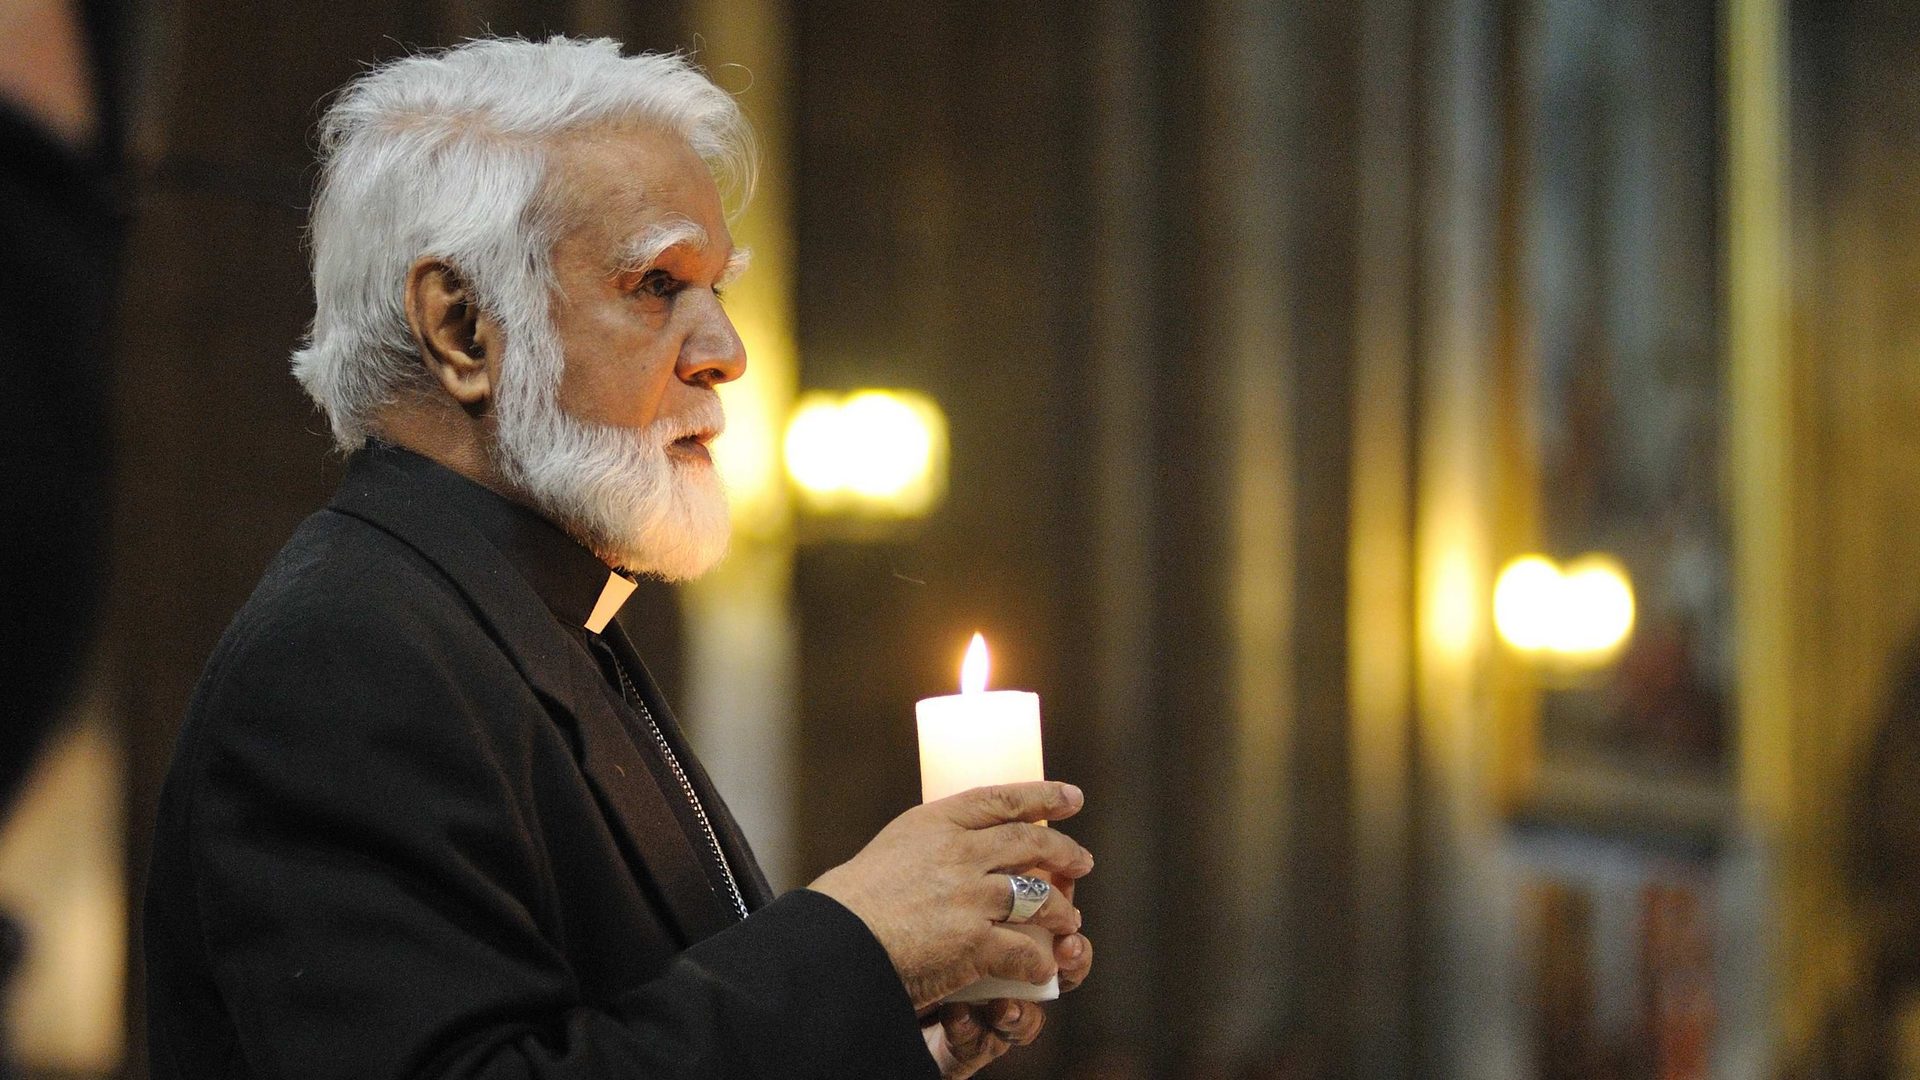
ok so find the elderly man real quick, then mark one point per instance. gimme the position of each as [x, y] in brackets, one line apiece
[428, 816]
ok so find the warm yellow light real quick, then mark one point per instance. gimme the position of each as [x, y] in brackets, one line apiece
[816, 447]
[1525, 601]
[1598, 602]
[873, 452]
[901, 444]
[1580, 614]
[748, 456]
[973, 669]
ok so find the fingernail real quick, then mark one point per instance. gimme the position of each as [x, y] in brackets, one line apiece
[1075, 947]
[1014, 1014]
[1077, 918]
[1074, 796]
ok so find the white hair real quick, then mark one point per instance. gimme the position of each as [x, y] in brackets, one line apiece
[617, 490]
[443, 155]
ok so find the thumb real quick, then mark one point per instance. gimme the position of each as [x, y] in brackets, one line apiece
[985, 807]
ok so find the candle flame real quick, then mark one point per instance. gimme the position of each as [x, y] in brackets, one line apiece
[973, 670]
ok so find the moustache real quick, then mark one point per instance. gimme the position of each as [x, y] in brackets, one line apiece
[705, 421]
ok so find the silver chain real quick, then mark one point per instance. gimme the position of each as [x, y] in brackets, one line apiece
[686, 786]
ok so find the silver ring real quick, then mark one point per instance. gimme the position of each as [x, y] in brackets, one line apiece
[1028, 894]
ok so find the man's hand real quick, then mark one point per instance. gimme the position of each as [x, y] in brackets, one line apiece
[966, 1037]
[932, 886]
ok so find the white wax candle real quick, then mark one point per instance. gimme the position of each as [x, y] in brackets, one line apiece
[972, 739]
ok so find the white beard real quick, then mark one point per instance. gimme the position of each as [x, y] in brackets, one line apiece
[617, 490]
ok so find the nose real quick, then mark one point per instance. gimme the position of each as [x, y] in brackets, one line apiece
[713, 353]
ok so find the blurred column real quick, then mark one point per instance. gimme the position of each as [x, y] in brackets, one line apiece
[1122, 357]
[1326, 241]
[1380, 549]
[1468, 979]
[1761, 400]
[739, 636]
[1243, 367]
[1761, 475]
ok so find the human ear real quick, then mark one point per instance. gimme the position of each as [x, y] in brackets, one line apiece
[458, 343]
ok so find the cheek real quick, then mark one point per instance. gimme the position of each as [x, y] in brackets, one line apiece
[618, 367]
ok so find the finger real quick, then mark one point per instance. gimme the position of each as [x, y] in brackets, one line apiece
[1010, 954]
[970, 1039]
[964, 1029]
[1019, 1022]
[1074, 954]
[1016, 847]
[1057, 914]
[983, 807]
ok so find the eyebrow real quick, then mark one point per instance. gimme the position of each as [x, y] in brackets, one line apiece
[646, 247]
[737, 264]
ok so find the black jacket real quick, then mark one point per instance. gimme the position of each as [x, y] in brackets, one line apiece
[408, 832]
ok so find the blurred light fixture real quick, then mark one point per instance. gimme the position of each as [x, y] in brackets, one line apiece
[1580, 614]
[1524, 599]
[870, 453]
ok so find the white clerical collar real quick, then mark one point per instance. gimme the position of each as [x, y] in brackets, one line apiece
[613, 594]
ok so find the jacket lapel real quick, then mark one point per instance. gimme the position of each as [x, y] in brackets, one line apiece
[562, 673]
[651, 836]
[746, 868]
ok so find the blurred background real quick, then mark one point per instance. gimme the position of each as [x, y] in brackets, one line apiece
[1451, 471]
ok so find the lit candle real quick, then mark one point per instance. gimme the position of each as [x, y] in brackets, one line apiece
[972, 739]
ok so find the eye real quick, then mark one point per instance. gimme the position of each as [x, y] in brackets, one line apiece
[659, 284]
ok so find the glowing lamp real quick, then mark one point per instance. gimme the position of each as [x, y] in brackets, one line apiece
[1524, 599]
[871, 453]
[1580, 614]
